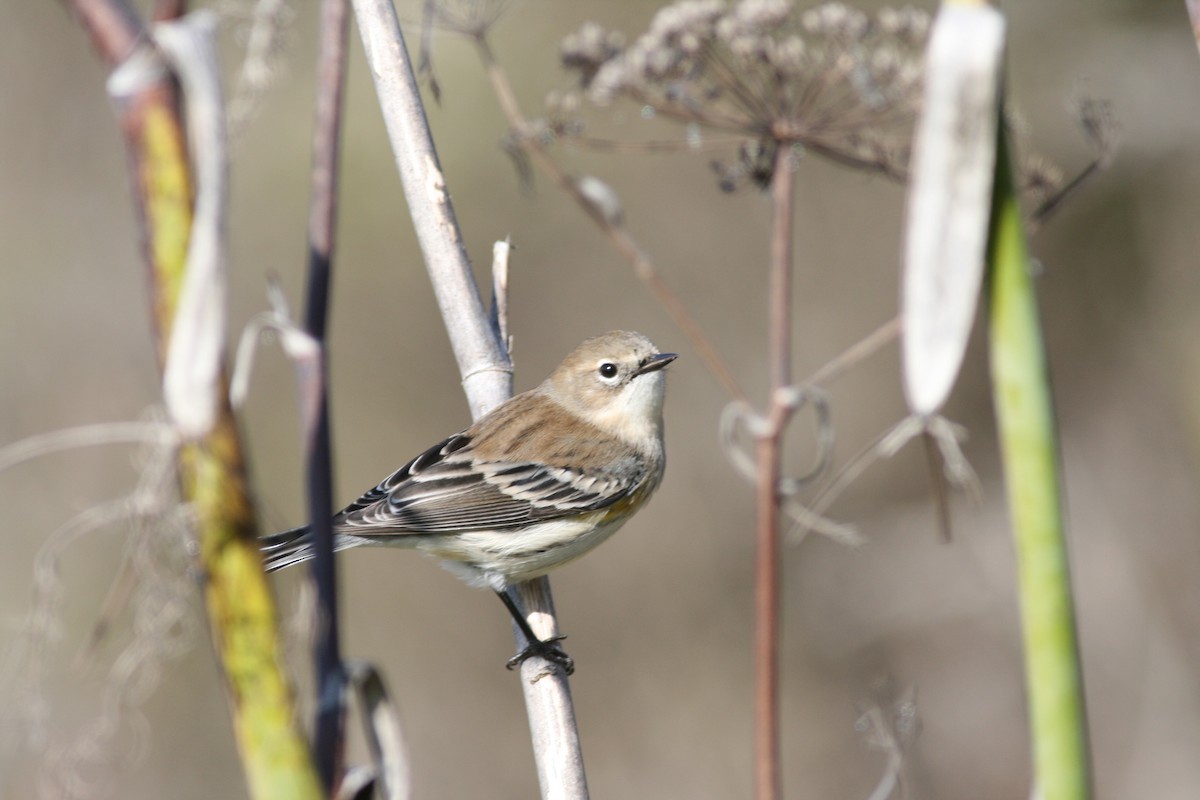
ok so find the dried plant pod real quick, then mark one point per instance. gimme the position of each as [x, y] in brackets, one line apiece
[950, 198]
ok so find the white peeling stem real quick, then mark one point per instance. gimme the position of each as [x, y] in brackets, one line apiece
[196, 347]
[483, 363]
[482, 360]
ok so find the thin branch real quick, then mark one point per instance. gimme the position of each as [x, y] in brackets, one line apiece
[114, 26]
[500, 254]
[1056, 201]
[649, 146]
[164, 10]
[858, 352]
[618, 236]
[485, 367]
[322, 219]
[482, 360]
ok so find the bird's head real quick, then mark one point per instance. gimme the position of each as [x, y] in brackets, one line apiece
[616, 382]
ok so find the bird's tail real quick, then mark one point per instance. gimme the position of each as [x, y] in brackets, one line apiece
[286, 548]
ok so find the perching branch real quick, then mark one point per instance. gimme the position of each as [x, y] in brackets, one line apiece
[482, 359]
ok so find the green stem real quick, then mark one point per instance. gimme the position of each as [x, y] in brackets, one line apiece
[1028, 437]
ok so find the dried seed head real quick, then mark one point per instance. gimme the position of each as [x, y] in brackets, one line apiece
[830, 77]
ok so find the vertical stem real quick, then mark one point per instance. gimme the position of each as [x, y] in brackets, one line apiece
[782, 184]
[214, 484]
[766, 614]
[1029, 445]
[768, 784]
[482, 358]
[322, 223]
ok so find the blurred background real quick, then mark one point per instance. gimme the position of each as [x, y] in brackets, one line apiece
[659, 618]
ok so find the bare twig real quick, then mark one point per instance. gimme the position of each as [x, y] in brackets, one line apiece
[617, 234]
[1101, 131]
[113, 25]
[329, 672]
[649, 146]
[425, 59]
[500, 254]
[482, 360]
[866, 347]
[942, 435]
[164, 10]
[486, 371]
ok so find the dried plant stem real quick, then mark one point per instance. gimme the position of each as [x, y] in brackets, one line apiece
[164, 10]
[648, 146]
[780, 299]
[241, 609]
[766, 619]
[113, 25]
[330, 676]
[483, 362]
[767, 781]
[618, 236]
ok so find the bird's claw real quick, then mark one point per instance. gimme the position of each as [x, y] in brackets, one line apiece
[547, 649]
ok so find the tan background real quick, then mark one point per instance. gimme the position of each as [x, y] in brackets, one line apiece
[660, 618]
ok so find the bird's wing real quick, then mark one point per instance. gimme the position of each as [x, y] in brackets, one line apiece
[448, 488]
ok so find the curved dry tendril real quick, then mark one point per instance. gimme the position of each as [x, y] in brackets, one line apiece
[299, 346]
[739, 416]
[44, 444]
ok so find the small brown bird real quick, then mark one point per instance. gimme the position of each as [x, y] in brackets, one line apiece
[534, 484]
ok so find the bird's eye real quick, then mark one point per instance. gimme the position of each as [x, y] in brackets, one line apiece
[608, 370]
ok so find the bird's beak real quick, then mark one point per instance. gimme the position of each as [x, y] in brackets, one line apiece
[656, 362]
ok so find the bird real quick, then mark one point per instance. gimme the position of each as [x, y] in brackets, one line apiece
[537, 482]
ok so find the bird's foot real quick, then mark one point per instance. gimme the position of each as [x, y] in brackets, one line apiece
[547, 649]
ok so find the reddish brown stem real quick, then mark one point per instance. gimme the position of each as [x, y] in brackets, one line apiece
[780, 300]
[164, 10]
[768, 784]
[766, 614]
[113, 25]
